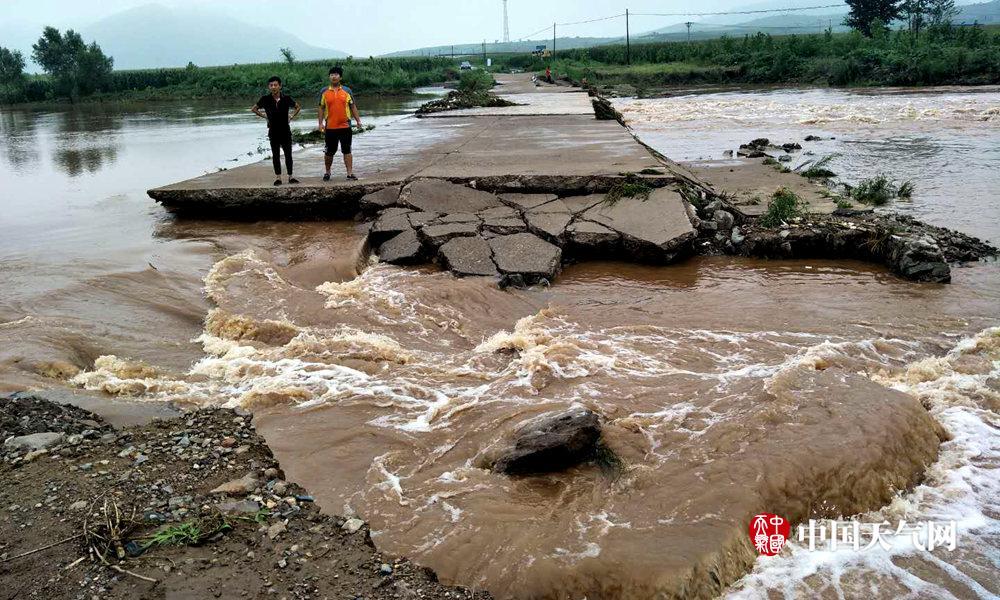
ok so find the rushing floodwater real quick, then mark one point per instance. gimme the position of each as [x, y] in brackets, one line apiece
[380, 388]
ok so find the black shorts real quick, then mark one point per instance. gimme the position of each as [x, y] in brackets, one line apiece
[338, 136]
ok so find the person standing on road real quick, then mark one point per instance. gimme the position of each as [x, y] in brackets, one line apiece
[336, 107]
[276, 107]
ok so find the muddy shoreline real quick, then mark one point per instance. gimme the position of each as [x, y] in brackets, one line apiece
[189, 506]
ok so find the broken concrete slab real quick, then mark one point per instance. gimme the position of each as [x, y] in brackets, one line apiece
[403, 249]
[459, 218]
[436, 235]
[526, 201]
[655, 229]
[468, 256]
[526, 255]
[586, 238]
[551, 226]
[419, 219]
[435, 195]
[505, 225]
[384, 198]
[389, 224]
[498, 212]
[571, 205]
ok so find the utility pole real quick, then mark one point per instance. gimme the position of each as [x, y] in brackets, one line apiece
[689, 31]
[553, 41]
[453, 51]
[628, 42]
[484, 53]
[506, 27]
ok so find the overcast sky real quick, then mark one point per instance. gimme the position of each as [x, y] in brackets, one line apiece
[364, 27]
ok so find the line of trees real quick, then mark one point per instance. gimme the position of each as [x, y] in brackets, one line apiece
[75, 69]
[871, 17]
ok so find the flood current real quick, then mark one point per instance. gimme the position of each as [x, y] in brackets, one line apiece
[728, 386]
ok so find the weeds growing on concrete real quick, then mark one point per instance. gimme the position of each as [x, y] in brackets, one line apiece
[784, 206]
[630, 187]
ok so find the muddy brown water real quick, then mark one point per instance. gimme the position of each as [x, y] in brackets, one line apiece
[726, 385]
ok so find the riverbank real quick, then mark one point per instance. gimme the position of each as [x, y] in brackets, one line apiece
[371, 77]
[944, 56]
[194, 504]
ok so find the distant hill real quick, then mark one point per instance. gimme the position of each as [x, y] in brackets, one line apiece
[155, 36]
[987, 13]
[809, 21]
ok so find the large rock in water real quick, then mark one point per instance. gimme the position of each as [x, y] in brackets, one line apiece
[465, 256]
[552, 443]
[527, 256]
[437, 195]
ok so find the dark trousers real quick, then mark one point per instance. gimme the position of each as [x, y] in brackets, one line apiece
[284, 144]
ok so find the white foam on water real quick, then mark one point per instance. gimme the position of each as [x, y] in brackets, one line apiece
[963, 485]
[811, 108]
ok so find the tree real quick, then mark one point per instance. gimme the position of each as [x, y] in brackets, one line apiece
[76, 68]
[289, 56]
[11, 66]
[867, 15]
[914, 12]
[940, 13]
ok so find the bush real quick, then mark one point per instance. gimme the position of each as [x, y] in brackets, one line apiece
[475, 80]
[879, 190]
[783, 207]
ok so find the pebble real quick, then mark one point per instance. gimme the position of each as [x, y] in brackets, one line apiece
[352, 525]
[276, 529]
[78, 505]
[385, 569]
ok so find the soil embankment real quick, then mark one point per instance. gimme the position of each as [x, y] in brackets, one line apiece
[194, 506]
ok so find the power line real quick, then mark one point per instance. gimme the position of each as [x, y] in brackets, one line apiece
[739, 12]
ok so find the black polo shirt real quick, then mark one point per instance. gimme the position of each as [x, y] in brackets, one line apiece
[277, 114]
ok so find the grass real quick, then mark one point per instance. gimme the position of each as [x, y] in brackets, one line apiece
[879, 190]
[190, 533]
[937, 56]
[817, 169]
[630, 187]
[776, 164]
[783, 207]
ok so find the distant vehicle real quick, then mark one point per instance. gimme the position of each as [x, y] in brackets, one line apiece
[465, 66]
[541, 51]
[515, 71]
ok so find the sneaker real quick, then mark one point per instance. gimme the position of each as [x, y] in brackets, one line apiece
[326, 177]
[352, 177]
[292, 180]
[277, 181]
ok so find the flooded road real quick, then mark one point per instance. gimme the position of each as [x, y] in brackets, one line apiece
[806, 388]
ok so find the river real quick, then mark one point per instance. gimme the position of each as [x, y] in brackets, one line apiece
[379, 387]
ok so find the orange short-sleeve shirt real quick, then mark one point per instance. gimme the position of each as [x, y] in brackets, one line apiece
[336, 104]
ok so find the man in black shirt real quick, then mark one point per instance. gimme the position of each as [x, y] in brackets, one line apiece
[276, 106]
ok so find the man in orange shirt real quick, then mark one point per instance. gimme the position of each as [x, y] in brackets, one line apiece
[336, 107]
